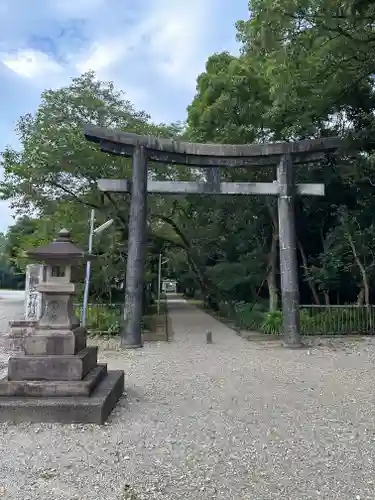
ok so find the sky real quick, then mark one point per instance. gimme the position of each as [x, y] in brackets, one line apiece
[151, 49]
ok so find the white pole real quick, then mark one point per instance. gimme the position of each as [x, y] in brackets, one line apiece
[88, 272]
[159, 282]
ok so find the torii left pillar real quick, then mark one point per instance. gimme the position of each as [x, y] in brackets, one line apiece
[131, 337]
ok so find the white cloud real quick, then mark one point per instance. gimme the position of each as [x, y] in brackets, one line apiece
[170, 34]
[177, 31]
[102, 55]
[32, 64]
[167, 35]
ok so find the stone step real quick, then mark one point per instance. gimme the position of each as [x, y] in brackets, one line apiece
[53, 367]
[44, 343]
[45, 388]
[94, 409]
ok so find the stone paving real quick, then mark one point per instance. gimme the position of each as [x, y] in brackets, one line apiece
[232, 420]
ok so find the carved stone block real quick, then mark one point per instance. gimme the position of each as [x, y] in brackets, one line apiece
[44, 342]
[46, 388]
[56, 368]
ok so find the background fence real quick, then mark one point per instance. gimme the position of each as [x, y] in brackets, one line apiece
[315, 320]
[337, 319]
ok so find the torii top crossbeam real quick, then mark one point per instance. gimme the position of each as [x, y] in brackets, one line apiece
[211, 155]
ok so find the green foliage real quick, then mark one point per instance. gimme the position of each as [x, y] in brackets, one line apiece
[304, 70]
[10, 277]
[272, 323]
[107, 318]
[249, 316]
[331, 320]
[339, 320]
[103, 319]
[314, 55]
[55, 171]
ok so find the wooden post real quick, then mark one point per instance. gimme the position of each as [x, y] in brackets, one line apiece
[288, 254]
[131, 337]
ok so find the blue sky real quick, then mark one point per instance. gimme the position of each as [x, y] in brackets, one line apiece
[151, 49]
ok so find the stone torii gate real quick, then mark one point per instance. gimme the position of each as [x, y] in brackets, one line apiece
[210, 157]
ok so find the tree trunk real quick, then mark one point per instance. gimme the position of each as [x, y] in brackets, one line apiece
[362, 269]
[326, 298]
[361, 297]
[310, 280]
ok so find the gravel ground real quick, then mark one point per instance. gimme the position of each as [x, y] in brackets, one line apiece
[232, 420]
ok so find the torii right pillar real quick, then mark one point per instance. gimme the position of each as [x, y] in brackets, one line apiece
[288, 254]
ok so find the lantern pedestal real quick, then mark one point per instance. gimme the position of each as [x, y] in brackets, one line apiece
[88, 401]
[57, 378]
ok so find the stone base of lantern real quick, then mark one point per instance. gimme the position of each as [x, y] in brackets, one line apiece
[42, 341]
[67, 405]
[57, 379]
[59, 388]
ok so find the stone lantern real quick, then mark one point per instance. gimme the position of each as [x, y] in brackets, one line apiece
[58, 377]
[58, 330]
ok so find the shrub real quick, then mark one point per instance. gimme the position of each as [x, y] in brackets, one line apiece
[114, 329]
[249, 316]
[103, 319]
[225, 310]
[272, 323]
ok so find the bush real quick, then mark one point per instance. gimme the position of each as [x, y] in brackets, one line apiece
[272, 323]
[249, 316]
[103, 319]
[225, 310]
[114, 329]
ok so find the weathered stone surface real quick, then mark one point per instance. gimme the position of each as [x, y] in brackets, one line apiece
[34, 301]
[159, 329]
[67, 410]
[288, 254]
[56, 378]
[205, 188]
[44, 388]
[200, 154]
[159, 324]
[63, 367]
[14, 340]
[131, 336]
[56, 342]
[59, 310]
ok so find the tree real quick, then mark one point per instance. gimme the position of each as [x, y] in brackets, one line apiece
[54, 173]
[317, 56]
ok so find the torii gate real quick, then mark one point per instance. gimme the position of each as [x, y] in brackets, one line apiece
[210, 156]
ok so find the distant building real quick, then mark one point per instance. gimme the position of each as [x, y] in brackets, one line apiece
[169, 286]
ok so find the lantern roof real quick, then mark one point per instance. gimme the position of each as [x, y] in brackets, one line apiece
[61, 249]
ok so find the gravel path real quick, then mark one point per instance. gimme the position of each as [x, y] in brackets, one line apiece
[232, 420]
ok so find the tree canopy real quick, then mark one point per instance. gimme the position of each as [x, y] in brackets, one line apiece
[305, 70]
